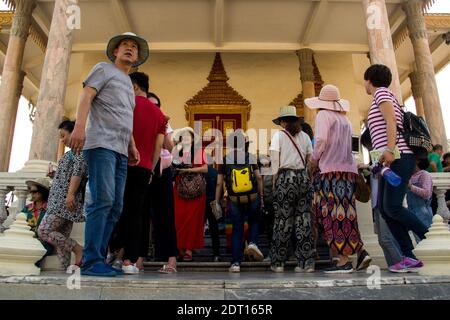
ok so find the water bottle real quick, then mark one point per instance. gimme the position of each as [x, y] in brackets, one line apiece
[391, 177]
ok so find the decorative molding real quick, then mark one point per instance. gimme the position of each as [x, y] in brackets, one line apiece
[22, 18]
[6, 20]
[218, 96]
[416, 89]
[298, 102]
[305, 57]
[218, 91]
[433, 22]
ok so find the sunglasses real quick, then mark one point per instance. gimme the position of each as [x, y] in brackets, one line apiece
[34, 191]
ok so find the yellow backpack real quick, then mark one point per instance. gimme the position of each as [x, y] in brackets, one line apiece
[241, 180]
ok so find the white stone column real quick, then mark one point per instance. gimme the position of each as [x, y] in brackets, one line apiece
[50, 104]
[425, 70]
[305, 57]
[380, 40]
[12, 77]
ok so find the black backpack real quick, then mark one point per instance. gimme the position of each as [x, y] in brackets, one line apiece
[416, 133]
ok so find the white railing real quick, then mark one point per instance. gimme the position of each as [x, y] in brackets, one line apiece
[15, 182]
[441, 183]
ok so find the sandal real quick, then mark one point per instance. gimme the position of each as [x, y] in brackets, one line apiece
[187, 257]
[167, 269]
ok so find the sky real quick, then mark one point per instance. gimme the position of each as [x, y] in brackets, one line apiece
[23, 129]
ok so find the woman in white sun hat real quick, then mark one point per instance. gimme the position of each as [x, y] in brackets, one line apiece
[334, 201]
[290, 151]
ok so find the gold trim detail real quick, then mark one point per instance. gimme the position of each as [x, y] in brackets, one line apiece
[218, 97]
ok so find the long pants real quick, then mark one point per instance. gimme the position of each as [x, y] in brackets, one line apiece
[160, 193]
[130, 226]
[292, 206]
[386, 240]
[213, 228]
[238, 213]
[104, 201]
[56, 231]
[399, 219]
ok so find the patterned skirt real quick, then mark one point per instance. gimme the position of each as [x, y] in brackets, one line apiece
[334, 206]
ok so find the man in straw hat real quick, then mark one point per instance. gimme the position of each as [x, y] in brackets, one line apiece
[107, 105]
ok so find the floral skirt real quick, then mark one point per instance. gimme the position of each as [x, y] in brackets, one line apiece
[334, 207]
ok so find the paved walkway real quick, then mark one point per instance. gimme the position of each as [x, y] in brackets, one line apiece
[226, 286]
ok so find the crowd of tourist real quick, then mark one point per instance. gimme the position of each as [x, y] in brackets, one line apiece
[127, 170]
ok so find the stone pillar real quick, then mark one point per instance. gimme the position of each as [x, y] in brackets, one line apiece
[417, 93]
[21, 194]
[12, 77]
[50, 104]
[305, 57]
[425, 70]
[380, 40]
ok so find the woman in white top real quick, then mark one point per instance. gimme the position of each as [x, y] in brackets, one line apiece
[290, 151]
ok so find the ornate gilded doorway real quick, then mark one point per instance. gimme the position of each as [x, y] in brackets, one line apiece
[218, 105]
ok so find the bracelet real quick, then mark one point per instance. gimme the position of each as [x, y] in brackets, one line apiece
[389, 150]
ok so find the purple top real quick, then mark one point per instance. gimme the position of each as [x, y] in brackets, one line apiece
[333, 143]
[421, 184]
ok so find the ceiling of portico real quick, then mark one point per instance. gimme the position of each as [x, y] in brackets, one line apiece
[221, 25]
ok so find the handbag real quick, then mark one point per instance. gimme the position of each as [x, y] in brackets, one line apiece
[362, 193]
[191, 185]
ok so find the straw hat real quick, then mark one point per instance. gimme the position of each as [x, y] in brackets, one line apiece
[329, 99]
[179, 132]
[43, 182]
[143, 51]
[286, 111]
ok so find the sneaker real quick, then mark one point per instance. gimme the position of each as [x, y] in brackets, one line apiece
[266, 259]
[117, 264]
[254, 252]
[277, 268]
[412, 265]
[235, 267]
[364, 261]
[309, 266]
[216, 259]
[398, 268]
[346, 268]
[110, 258]
[98, 270]
[129, 268]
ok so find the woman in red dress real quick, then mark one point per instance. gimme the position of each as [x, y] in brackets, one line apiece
[189, 213]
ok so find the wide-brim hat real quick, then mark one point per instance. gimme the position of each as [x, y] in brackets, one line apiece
[329, 99]
[179, 132]
[42, 182]
[286, 111]
[143, 51]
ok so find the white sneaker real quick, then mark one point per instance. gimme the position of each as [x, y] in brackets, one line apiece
[277, 269]
[129, 268]
[235, 268]
[117, 264]
[254, 252]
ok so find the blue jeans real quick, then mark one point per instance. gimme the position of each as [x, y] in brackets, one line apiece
[107, 176]
[238, 213]
[421, 208]
[391, 249]
[390, 202]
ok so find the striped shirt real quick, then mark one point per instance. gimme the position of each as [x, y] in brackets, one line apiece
[377, 124]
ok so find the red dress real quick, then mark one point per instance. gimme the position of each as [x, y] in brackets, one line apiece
[189, 216]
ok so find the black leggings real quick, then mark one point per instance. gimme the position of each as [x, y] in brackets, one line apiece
[160, 199]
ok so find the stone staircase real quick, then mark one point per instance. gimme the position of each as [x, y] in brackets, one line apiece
[203, 259]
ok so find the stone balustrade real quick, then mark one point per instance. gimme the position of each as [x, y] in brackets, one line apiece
[441, 183]
[15, 182]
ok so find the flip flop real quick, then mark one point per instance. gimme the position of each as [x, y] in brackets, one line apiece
[187, 257]
[167, 269]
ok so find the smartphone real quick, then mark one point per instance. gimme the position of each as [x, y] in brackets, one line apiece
[355, 144]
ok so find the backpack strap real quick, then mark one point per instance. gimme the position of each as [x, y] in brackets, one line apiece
[296, 146]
